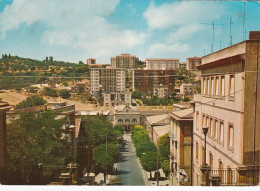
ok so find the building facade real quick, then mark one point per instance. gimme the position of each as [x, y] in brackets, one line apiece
[192, 63]
[229, 105]
[181, 127]
[126, 61]
[117, 99]
[160, 91]
[91, 61]
[161, 64]
[107, 80]
[146, 80]
[126, 116]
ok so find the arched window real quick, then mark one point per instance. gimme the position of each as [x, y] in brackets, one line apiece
[134, 120]
[127, 120]
[120, 120]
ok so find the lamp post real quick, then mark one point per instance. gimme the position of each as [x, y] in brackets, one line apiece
[205, 169]
[72, 135]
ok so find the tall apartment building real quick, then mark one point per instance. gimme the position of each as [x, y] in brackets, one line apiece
[126, 61]
[162, 64]
[107, 80]
[110, 82]
[229, 105]
[192, 63]
[91, 61]
[146, 80]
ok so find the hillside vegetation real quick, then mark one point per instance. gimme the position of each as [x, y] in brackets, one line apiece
[36, 71]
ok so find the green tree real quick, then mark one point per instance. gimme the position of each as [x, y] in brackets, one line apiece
[144, 147]
[149, 162]
[137, 94]
[50, 92]
[137, 128]
[164, 147]
[26, 145]
[106, 155]
[140, 136]
[166, 167]
[64, 93]
[30, 102]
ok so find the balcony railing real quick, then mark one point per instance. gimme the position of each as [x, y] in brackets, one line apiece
[227, 176]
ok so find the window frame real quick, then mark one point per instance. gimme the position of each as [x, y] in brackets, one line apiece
[231, 97]
[217, 88]
[219, 133]
[215, 132]
[222, 93]
[228, 138]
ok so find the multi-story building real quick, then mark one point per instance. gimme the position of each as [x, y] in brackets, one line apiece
[126, 61]
[181, 126]
[110, 83]
[229, 106]
[91, 61]
[192, 63]
[126, 116]
[183, 65]
[161, 64]
[4, 107]
[107, 80]
[146, 80]
[160, 91]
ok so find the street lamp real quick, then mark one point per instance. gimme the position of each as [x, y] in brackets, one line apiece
[205, 131]
[205, 169]
[72, 134]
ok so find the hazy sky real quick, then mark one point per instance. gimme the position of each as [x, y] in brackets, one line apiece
[73, 30]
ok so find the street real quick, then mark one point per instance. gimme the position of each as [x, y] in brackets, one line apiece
[129, 169]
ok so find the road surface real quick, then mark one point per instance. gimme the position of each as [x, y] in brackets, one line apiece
[129, 169]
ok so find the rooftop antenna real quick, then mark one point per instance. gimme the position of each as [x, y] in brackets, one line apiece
[230, 36]
[244, 18]
[213, 33]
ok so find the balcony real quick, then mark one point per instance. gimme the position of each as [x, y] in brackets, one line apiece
[228, 176]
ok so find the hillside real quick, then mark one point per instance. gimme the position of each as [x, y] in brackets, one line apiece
[11, 66]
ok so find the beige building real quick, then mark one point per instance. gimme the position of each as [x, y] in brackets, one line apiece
[161, 64]
[159, 131]
[107, 80]
[186, 89]
[126, 116]
[126, 61]
[156, 120]
[180, 133]
[192, 63]
[117, 99]
[183, 65]
[229, 105]
[91, 61]
[160, 91]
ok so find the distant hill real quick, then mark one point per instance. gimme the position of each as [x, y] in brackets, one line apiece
[17, 66]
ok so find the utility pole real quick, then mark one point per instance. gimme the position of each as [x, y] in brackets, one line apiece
[157, 162]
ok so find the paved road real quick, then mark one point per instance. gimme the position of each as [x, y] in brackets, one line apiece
[129, 168]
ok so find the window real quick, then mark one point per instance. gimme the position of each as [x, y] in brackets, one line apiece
[207, 121]
[203, 121]
[232, 86]
[222, 89]
[120, 120]
[208, 85]
[221, 132]
[220, 168]
[210, 160]
[211, 127]
[216, 129]
[230, 136]
[202, 155]
[197, 150]
[217, 87]
[197, 120]
[212, 87]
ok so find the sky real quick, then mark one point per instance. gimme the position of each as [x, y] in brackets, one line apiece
[75, 30]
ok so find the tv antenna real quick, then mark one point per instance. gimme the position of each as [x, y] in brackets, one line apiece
[213, 33]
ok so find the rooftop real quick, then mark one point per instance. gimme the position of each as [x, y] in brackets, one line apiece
[185, 114]
[157, 119]
[161, 130]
